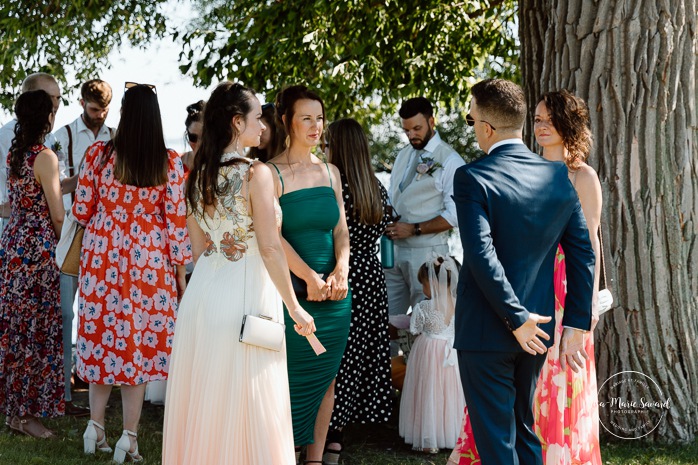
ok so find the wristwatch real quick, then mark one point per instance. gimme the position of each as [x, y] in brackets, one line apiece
[417, 229]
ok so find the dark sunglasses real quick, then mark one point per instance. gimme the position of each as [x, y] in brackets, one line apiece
[129, 85]
[267, 106]
[193, 138]
[470, 121]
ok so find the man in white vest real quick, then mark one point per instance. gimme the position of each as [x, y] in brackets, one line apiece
[74, 139]
[421, 185]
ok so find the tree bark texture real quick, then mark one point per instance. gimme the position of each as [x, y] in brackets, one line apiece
[634, 62]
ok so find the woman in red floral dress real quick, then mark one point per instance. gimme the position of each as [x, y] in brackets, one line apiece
[31, 325]
[130, 199]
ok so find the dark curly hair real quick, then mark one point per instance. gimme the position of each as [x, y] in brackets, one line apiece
[227, 101]
[570, 117]
[33, 109]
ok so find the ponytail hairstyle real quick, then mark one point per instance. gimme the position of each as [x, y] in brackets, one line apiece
[227, 101]
[141, 156]
[33, 110]
[349, 152]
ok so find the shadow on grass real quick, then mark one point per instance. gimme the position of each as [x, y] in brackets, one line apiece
[364, 444]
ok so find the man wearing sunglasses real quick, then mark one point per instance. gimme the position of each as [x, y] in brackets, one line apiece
[421, 185]
[73, 140]
[514, 208]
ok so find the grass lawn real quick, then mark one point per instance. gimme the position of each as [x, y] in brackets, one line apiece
[366, 444]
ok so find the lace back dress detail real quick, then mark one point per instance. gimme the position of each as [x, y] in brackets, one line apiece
[226, 399]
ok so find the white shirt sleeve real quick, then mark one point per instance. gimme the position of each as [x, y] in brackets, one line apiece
[61, 138]
[445, 185]
[6, 136]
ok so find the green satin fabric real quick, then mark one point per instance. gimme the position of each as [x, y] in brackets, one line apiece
[309, 216]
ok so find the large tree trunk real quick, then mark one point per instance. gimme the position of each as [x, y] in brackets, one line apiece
[634, 62]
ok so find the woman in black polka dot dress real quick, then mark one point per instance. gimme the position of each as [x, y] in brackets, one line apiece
[363, 386]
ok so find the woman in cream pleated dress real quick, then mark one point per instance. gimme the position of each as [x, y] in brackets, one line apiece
[228, 402]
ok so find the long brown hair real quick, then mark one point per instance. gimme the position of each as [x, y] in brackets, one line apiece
[141, 156]
[570, 117]
[349, 152]
[227, 101]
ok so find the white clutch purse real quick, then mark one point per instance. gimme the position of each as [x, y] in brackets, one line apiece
[262, 331]
[605, 300]
[605, 296]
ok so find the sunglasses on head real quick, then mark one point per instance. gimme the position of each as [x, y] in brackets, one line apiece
[193, 138]
[129, 85]
[267, 106]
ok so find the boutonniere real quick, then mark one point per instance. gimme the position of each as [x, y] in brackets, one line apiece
[58, 150]
[427, 165]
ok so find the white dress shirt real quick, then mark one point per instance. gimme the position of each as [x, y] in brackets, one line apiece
[83, 137]
[443, 183]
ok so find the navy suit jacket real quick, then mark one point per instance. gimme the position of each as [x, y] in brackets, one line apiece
[514, 208]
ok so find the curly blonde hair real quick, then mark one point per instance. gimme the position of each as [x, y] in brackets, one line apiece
[570, 117]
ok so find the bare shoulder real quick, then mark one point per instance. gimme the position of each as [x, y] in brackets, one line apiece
[333, 169]
[260, 167]
[587, 178]
[589, 190]
[47, 154]
[260, 173]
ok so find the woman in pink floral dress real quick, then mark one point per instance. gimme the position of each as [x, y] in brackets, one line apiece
[565, 409]
[130, 199]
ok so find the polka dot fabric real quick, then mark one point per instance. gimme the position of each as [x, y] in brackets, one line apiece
[363, 387]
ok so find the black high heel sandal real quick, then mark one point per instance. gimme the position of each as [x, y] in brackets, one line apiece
[298, 451]
[331, 456]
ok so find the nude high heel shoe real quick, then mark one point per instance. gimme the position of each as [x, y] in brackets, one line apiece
[90, 439]
[123, 448]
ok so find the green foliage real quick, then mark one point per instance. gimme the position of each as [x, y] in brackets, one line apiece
[62, 37]
[352, 51]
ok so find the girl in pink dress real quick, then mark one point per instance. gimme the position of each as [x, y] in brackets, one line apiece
[432, 396]
[565, 409]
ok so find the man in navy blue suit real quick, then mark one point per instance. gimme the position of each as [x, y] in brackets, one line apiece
[514, 208]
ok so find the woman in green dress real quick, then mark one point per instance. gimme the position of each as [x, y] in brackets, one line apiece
[316, 242]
